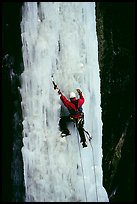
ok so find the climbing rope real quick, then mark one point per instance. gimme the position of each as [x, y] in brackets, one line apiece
[93, 167]
[82, 167]
[89, 137]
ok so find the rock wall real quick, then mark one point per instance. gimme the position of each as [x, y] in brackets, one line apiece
[115, 31]
[12, 67]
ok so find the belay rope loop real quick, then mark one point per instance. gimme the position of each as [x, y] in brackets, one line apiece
[82, 167]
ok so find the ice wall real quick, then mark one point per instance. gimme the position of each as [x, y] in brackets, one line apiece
[59, 39]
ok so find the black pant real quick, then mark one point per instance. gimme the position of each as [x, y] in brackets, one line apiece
[79, 124]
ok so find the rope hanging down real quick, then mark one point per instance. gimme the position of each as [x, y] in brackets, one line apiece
[82, 167]
[93, 166]
[89, 137]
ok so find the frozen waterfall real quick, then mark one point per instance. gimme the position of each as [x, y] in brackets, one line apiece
[59, 39]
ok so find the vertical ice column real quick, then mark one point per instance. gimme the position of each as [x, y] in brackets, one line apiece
[60, 38]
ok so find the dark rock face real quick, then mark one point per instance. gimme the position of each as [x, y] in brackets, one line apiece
[115, 32]
[12, 67]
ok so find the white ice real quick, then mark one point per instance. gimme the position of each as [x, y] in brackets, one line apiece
[59, 39]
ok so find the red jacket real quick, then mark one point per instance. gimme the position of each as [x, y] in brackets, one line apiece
[70, 105]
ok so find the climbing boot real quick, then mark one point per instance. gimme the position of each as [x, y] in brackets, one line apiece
[84, 144]
[65, 133]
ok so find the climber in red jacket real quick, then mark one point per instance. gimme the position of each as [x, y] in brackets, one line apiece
[76, 115]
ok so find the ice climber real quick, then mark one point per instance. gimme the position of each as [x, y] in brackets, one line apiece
[76, 115]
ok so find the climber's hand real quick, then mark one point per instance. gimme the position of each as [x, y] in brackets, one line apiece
[79, 91]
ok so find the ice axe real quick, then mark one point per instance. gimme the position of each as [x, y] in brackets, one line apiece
[54, 84]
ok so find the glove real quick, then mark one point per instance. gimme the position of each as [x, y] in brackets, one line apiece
[78, 90]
